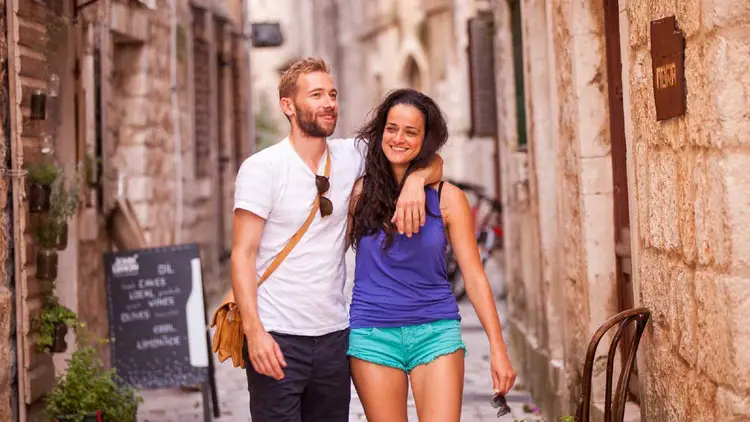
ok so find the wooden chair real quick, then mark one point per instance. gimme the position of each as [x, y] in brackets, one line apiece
[613, 412]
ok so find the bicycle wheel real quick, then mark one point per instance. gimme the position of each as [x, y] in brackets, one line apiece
[454, 275]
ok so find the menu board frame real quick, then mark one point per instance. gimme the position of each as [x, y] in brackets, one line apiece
[158, 326]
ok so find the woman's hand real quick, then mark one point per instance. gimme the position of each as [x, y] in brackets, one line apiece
[503, 375]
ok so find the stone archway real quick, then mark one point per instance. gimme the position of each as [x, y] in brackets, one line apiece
[412, 74]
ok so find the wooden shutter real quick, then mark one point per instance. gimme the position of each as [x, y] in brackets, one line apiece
[482, 75]
[202, 93]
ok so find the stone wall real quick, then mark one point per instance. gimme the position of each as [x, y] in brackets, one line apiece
[561, 286]
[8, 364]
[693, 214]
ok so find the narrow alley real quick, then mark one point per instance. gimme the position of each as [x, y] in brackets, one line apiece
[181, 406]
[176, 405]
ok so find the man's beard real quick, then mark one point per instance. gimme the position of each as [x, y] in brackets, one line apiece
[308, 124]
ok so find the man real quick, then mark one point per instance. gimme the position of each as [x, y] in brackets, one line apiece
[296, 323]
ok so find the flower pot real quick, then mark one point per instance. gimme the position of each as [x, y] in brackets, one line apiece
[61, 240]
[60, 345]
[46, 264]
[89, 417]
[39, 196]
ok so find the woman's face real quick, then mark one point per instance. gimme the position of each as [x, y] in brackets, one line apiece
[403, 134]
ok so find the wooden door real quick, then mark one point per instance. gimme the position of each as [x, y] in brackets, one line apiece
[619, 174]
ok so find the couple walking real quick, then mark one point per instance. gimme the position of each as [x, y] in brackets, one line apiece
[381, 194]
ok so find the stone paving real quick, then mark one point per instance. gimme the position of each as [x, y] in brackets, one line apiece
[183, 406]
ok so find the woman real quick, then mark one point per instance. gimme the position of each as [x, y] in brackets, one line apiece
[404, 319]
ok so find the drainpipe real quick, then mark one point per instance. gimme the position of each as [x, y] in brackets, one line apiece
[16, 189]
[176, 124]
[247, 37]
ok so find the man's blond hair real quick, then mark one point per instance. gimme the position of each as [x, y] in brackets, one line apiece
[288, 82]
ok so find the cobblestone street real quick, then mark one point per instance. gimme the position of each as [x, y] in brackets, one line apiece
[182, 406]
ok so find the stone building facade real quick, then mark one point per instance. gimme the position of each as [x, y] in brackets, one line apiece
[608, 208]
[374, 47]
[155, 94]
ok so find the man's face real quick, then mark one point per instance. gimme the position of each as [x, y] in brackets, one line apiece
[315, 103]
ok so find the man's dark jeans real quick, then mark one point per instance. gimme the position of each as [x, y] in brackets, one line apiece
[316, 385]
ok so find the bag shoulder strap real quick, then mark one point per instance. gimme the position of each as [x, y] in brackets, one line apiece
[298, 235]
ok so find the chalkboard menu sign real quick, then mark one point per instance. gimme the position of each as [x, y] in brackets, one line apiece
[157, 316]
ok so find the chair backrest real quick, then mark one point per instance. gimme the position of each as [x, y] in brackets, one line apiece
[613, 412]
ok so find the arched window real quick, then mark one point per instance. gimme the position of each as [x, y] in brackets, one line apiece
[412, 74]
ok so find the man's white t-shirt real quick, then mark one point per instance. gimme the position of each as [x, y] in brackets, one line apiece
[304, 295]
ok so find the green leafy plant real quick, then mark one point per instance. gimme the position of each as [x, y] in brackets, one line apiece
[53, 314]
[91, 168]
[64, 200]
[63, 205]
[87, 387]
[43, 173]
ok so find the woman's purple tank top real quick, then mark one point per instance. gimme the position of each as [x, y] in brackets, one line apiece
[406, 284]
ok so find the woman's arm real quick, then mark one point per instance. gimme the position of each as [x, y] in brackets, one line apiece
[460, 225]
[356, 190]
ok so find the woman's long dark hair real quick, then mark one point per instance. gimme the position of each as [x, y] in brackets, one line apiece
[377, 202]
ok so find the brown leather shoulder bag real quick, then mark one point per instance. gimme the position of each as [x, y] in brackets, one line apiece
[227, 340]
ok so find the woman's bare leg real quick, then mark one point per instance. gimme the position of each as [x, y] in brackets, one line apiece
[438, 388]
[382, 390]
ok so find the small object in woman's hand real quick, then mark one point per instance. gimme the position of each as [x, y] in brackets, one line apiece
[499, 403]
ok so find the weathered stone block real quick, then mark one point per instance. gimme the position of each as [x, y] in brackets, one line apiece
[737, 179]
[139, 112]
[712, 239]
[715, 346]
[684, 320]
[737, 292]
[139, 188]
[655, 286]
[141, 213]
[725, 14]
[700, 398]
[663, 223]
[685, 203]
[132, 158]
[665, 380]
[640, 18]
[689, 16]
[731, 407]
[640, 158]
[728, 58]
[701, 123]
[590, 86]
[596, 175]
[662, 8]
[6, 354]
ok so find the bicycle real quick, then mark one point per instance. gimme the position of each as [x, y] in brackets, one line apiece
[488, 232]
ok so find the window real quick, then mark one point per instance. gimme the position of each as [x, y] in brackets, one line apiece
[482, 76]
[517, 39]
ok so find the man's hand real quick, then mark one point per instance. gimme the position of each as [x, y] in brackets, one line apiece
[265, 354]
[410, 208]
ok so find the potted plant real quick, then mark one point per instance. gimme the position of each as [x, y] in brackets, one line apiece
[91, 169]
[89, 392]
[41, 176]
[48, 233]
[56, 319]
[64, 204]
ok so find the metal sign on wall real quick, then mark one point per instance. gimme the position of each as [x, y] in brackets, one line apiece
[668, 66]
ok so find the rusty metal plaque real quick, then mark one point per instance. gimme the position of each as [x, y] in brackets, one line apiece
[668, 63]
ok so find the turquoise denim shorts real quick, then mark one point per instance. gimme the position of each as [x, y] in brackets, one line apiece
[406, 347]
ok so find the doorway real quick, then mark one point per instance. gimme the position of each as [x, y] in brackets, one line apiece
[624, 271]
